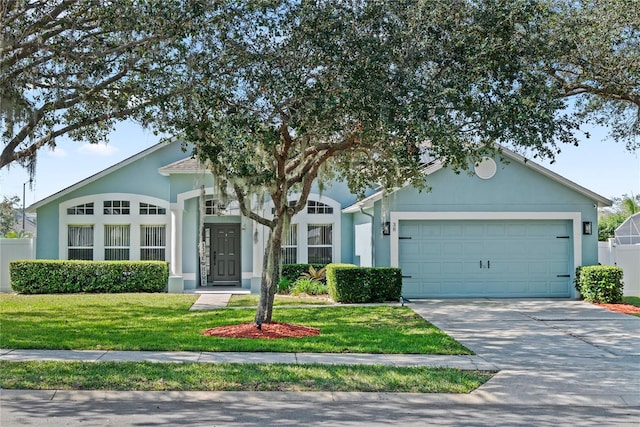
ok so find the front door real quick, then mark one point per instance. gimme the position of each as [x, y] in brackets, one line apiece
[224, 254]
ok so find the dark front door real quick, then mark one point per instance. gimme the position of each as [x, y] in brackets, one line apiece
[224, 254]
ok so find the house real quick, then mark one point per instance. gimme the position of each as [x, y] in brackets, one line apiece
[510, 229]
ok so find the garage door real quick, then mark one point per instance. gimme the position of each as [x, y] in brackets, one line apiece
[485, 258]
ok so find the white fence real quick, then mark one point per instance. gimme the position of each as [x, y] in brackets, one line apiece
[10, 250]
[626, 257]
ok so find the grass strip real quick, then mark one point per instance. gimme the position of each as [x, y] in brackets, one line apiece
[147, 376]
[632, 300]
[163, 322]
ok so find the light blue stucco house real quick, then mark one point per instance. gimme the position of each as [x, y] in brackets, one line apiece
[510, 229]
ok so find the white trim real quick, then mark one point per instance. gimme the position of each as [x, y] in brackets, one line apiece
[189, 276]
[575, 217]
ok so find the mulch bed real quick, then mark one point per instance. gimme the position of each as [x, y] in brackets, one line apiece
[273, 330]
[623, 308]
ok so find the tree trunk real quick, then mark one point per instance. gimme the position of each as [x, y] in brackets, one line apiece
[270, 274]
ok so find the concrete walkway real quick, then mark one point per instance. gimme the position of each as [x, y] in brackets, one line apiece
[561, 363]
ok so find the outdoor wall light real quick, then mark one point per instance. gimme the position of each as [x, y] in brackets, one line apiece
[386, 228]
[586, 227]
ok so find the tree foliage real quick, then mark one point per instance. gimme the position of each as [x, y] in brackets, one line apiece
[611, 218]
[75, 67]
[279, 95]
[595, 59]
[8, 211]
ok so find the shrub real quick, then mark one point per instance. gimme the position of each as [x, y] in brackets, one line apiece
[53, 276]
[600, 283]
[351, 284]
[284, 286]
[308, 286]
[293, 271]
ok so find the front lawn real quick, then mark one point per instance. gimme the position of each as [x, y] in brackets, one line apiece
[235, 377]
[279, 300]
[163, 322]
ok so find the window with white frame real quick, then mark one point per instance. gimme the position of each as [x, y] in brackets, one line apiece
[150, 209]
[290, 245]
[80, 242]
[153, 241]
[117, 240]
[84, 209]
[314, 207]
[214, 207]
[320, 243]
[116, 207]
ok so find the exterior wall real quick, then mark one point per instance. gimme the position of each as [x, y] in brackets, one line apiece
[123, 180]
[626, 257]
[514, 188]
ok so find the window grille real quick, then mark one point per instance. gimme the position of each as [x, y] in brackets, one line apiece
[314, 207]
[153, 240]
[214, 207]
[116, 207]
[320, 243]
[149, 209]
[85, 209]
[80, 242]
[116, 242]
[290, 245]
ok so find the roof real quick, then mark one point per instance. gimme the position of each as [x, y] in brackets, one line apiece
[188, 165]
[97, 176]
[602, 201]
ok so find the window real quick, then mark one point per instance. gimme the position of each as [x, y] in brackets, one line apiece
[116, 207]
[116, 242]
[290, 245]
[149, 209]
[291, 204]
[80, 242]
[152, 242]
[85, 209]
[214, 207]
[320, 243]
[314, 207]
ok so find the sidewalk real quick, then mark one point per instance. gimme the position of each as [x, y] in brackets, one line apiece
[460, 362]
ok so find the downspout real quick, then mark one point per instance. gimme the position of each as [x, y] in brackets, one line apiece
[373, 247]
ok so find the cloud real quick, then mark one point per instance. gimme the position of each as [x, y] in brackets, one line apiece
[98, 149]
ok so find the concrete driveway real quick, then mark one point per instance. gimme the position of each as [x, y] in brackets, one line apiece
[549, 352]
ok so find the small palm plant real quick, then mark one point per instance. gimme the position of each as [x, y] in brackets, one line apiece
[319, 275]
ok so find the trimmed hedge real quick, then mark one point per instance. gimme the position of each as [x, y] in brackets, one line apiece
[350, 284]
[56, 277]
[292, 272]
[600, 283]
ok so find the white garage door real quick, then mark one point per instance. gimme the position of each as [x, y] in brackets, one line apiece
[485, 258]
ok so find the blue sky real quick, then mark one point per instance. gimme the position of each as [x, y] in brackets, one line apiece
[598, 164]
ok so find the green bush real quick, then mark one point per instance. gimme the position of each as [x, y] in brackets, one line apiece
[293, 271]
[351, 284]
[55, 277]
[600, 283]
[308, 286]
[284, 286]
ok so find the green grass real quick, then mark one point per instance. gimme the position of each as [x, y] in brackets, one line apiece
[633, 301]
[164, 322]
[280, 300]
[235, 377]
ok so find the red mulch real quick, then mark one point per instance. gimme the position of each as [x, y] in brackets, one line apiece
[273, 330]
[623, 308]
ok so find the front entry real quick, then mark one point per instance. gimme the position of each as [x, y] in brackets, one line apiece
[224, 253]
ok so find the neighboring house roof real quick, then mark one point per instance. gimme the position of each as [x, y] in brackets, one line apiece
[368, 202]
[97, 176]
[188, 165]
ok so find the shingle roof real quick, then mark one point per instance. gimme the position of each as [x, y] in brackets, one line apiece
[187, 165]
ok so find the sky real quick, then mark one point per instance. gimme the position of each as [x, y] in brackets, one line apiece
[598, 164]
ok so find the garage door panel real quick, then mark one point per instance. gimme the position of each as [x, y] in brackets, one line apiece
[526, 258]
